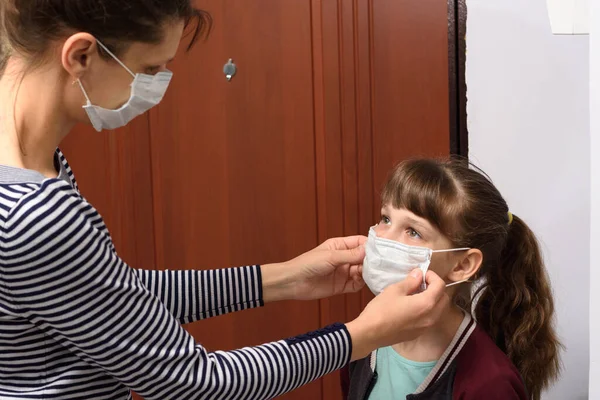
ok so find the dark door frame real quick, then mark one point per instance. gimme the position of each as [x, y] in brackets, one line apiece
[457, 29]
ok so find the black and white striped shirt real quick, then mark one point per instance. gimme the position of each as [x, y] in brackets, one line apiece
[77, 323]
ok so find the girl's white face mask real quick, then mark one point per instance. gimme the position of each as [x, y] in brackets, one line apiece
[387, 262]
[146, 92]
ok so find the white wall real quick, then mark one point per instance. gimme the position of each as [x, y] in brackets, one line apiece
[595, 196]
[528, 113]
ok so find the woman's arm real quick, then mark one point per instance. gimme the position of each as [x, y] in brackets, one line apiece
[65, 277]
[331, 268]
[195, 295]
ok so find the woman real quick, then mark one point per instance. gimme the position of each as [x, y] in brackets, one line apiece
[75, 321]
[448, 217]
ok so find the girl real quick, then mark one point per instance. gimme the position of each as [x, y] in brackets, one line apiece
[448, 217]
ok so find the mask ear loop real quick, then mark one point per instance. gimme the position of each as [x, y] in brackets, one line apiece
[84, 92]
[458, 282]
[448, 251]
[115, 57]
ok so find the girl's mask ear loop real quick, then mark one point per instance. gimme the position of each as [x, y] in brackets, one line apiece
[456, 283]
[448, 250]
[510, 220]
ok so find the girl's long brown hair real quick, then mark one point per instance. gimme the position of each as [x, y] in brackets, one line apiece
[514, 302]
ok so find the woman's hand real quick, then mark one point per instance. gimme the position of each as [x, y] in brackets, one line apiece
[335, 267]
[397, 314]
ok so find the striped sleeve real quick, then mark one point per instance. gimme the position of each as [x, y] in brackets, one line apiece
[194, 295]
[64, 276]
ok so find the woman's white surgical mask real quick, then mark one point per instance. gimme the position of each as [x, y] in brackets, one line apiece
[146, 92]
[387, 262]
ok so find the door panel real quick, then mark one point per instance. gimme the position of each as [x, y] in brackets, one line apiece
[409, 82]
[385, 98]
[233, 163]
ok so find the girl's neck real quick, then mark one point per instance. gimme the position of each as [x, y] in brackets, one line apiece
[431, 345]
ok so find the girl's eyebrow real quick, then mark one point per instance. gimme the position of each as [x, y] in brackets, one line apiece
[421, 224]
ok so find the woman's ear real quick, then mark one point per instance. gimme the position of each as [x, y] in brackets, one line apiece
[77, 53]
[467, 266]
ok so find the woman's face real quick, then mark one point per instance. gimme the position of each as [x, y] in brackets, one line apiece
[106, 82]
[403, 226]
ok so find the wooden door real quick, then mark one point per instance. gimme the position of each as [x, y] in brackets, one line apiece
[385, 96]
[234, 162]
[329, 95]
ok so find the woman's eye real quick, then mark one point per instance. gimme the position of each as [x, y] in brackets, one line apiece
[413, 234]
[385, 220]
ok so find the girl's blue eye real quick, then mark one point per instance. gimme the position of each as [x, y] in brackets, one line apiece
[385, 220]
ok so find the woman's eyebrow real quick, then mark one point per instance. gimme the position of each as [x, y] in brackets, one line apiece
[161, 63]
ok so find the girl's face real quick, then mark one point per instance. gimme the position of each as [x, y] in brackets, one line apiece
[403, 226]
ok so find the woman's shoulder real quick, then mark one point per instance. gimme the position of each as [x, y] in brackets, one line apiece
[35, 197]
[482, 369]
[33, 210]
[23, 188]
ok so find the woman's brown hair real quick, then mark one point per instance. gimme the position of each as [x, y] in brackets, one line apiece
[514, 303]
[27, 27]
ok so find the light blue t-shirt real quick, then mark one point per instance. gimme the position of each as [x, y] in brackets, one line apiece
[397, 377]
